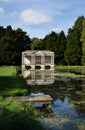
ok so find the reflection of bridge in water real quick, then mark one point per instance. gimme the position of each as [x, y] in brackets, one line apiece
[38, 77]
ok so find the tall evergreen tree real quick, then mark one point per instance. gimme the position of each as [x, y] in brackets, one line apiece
[2, 31]
[83, 43]
[73, 51]
[61, 43]
[50, 43]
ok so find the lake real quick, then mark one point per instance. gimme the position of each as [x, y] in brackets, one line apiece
[68, 92]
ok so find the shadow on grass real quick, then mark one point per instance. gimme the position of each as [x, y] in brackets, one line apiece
[12, 86]
[18, 116]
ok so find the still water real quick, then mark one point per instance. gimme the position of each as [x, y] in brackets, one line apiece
[68, 93]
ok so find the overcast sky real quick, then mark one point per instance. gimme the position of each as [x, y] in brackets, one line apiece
[39, 17]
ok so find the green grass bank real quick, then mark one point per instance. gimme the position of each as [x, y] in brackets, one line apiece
[80, 69]
[11, 84]
[16, 115]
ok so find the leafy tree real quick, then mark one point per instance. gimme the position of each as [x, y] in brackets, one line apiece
[7, 49]
[22, 43]
[12, 43]
[73, 51]
[9, 31]
[50, 43]
[83, 43]
[56, 43]
[2, 31]
[36, 44]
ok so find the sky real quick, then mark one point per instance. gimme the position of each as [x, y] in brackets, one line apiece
[40, 17]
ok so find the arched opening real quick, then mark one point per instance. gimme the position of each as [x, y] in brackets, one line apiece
[38, 67]
[47, 67]
[28, 67]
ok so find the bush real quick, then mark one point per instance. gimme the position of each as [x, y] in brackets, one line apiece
[18, 116]
[1, 98]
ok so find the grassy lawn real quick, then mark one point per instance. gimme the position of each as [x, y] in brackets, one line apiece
[8, 71]
[16, 115]
[71, 68]
[10, 83]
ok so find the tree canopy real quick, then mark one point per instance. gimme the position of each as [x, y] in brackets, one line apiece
[68, 49]
[73, 51]
[12, 43]
[83, 43]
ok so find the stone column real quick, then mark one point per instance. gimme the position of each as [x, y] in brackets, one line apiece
[33, 59]
[52, 59]
[42, 59]
[22, 58]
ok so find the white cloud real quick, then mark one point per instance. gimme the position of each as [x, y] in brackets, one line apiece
[1, 10]
[30, 16]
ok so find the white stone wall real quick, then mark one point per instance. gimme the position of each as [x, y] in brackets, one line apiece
[38, 60]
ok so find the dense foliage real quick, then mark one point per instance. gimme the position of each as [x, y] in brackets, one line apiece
[18, 116]
[83, 44]
[69, 50]
[12, 43]
[73, 51]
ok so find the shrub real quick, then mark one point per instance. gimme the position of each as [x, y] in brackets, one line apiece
[18, 116]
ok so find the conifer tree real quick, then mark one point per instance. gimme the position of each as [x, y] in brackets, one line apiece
[73, 51]
[83, 43]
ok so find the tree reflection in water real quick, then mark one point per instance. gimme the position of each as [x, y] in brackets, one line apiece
[68, 93]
